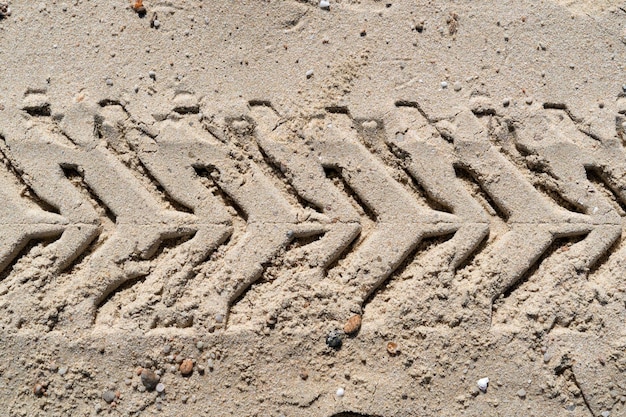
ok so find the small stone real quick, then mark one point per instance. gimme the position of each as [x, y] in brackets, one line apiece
[392, 348]
[309, 73]
[219, 318]
[200, 345]
[186, 367]
[39, 390]
[109, 82]
[324, 4]
[5, 10]
[521, 393]
[149, 379]
[152, 74]
[156, 23]
[304, 375]
[482, 384]
[546, 357]
[166, 349]
[352, 325]
[506, 102]
[334, 339]
[108, 396]
[605, 413]
[340, 392]
[444, 84]
[210, 364]
[160, 387]
[529, 100]
[370, 125]
[63, 370]
[458, 86]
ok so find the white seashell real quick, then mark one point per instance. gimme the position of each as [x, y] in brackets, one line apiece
[483, 383]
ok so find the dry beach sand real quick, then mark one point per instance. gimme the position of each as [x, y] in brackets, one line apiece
[303, 208]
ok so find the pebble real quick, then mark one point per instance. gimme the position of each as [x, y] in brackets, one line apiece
[624, 88]
[219, 318]
[546, 357]
[167, 349]
[444, 84]
[458, 86]
[39, 389]
[210, 364]
[149, 379]
[506, 102]
[324, 4]
[482, 384]
[63, 370]
[152, 74]
[370, 125]
[352, 325]
[5, 10]
[392, 348]
[521, 393]
[109, 82]
[108, 396]
[334, 339]
[186, 367]
[309, 73]
[605, 413]
[340, 392]
[529, 100]
[156, 23]
[160, 387]
[200, 345]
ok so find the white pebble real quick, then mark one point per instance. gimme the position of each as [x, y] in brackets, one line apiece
[109, 82]
[309, 73]
[152, 74]
[156, 23]
[444, 84]
[324, 4]
[160, 387]
[605, 413]
[340, 392]
[482, 384]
